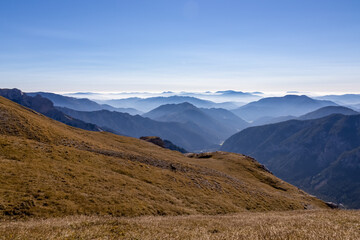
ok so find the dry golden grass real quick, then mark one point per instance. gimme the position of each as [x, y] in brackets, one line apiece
[48, 169]
[329, 224]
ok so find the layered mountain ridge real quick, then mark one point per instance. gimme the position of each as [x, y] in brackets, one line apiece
[318, 155]
[280, 106]
[186, 135]
[213, 121]
[80, 104]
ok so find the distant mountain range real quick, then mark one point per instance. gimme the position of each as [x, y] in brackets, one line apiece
[236, 97]
[147, 104]
[270, 120]
[345, 99]
[186, 135]
[46, 107]
[319, 113]
[183, 124]
[220, 123]
[235, 93]
[226, 118]
[319, 155]
[326, 111]
[280, 106]
[81, 104]
[195, 134]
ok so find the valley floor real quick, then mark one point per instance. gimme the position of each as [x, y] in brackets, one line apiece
[319, 224]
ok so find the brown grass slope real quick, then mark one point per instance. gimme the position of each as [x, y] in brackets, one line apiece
[50, 169]
[284, 225]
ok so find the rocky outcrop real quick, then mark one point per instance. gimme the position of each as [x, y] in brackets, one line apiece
[163, 143]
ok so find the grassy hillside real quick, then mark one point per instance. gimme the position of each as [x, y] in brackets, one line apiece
[332, 224]
[50, 169]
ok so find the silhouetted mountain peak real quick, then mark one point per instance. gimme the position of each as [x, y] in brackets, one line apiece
[14, 93]
[18, 96]
[287, 99]
[326, 111]
[177, 107]
[294, 105]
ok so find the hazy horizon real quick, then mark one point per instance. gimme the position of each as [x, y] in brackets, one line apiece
[206, 95]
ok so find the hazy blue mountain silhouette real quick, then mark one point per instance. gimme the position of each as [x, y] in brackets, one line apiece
[319, 113]
[236, 93]
[280, 106]
[186, 135]
[345, 99]
[212, 121]
[326, 111]
[81, 104]
[147, 104]
[227, 118]
[319, 155]
[270, 120]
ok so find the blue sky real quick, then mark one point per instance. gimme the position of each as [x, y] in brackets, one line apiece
[190, 45]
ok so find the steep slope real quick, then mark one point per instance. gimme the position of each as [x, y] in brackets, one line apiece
[341, 180]
[326, 111]
[300, 152]
[80, 104]
[280, 106]
[186, 112]
[46, 107]
[51, 169]
[270, 120]
[186, 135]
